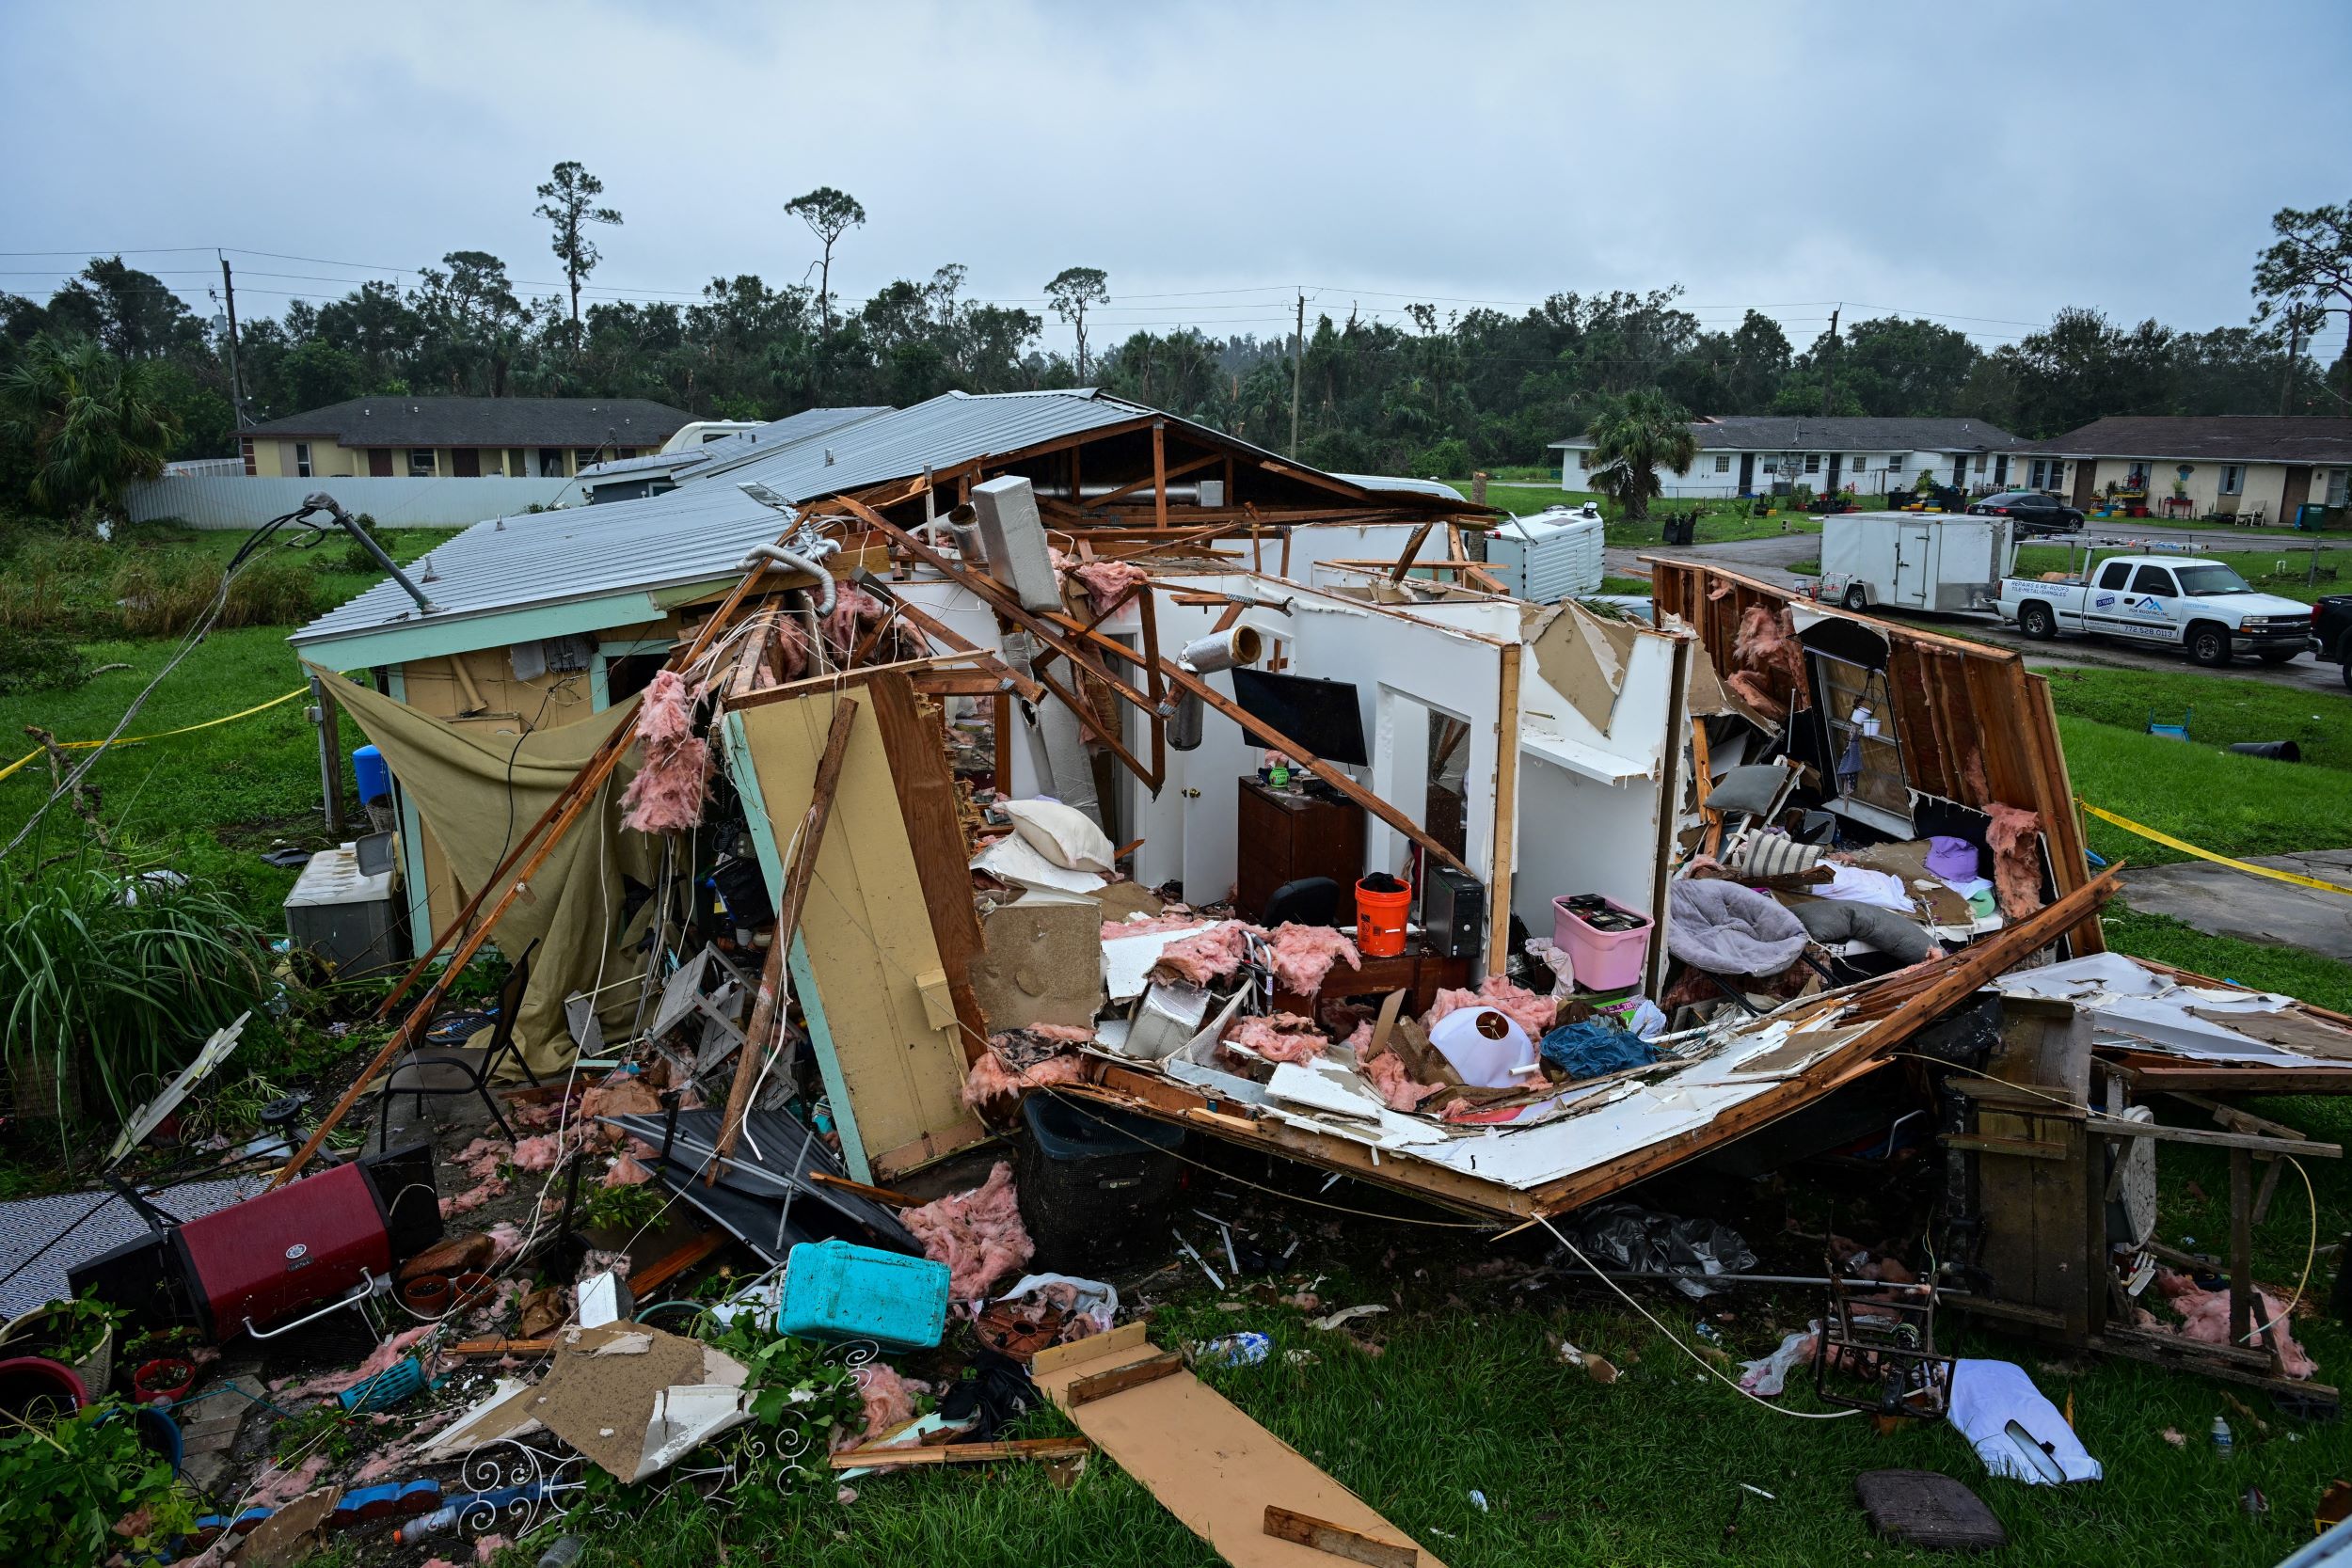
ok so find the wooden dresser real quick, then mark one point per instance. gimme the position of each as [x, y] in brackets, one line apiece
[1283, 838]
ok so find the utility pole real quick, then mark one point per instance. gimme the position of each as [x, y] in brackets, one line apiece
[1829, 363]
[236, 384]
[1299, 364]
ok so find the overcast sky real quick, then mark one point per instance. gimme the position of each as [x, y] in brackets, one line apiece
[1987, 164]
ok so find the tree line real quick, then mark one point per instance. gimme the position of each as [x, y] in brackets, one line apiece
[115, 373]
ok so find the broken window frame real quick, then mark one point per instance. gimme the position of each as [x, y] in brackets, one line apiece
[1875, 746]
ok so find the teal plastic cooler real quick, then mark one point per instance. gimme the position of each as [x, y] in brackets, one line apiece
[839, 1291]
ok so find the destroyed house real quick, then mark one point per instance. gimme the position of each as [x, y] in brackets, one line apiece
[1078, 600]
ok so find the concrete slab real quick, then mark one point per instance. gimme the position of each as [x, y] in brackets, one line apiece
[2225, 903]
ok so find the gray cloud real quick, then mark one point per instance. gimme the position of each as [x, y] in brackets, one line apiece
[1989, 162]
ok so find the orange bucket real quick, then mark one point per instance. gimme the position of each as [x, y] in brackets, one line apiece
[1380, 919]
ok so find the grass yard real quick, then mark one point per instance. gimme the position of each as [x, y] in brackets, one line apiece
[2286, 571]
[211, 801]
[1720, 521]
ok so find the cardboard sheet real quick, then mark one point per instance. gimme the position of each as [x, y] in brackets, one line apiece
[1209, 1465]
[631, 1399]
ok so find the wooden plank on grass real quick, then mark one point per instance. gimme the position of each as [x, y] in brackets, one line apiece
[1285, 1524]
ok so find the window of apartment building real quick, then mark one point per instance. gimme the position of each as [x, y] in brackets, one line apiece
[2339, 487]
[1895, 463]
[421, 464]
[1979, 464]
[1722, 463]
[2035, 474]
[2137, 478]
[2232, 479]
[581, 458]
[551, 461]
[302, 460]
[517, 467]
[626, 452]
[1813, 461]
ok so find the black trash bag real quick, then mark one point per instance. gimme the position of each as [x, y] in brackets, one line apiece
[1627, 1237]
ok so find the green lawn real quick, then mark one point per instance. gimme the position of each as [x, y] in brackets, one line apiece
[211, 801]
[2287, 570]
[1720, 521]
[2225, 710]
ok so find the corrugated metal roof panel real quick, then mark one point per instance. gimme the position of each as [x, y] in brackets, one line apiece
[705, 527]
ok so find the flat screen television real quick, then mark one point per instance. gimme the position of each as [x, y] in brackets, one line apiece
[1321, 716]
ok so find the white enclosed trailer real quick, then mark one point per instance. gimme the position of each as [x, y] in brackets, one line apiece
[1914, 560]
[1552, 556]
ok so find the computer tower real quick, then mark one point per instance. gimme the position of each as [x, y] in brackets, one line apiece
[1454, 912]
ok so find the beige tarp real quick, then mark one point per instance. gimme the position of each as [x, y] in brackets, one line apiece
[459, 781]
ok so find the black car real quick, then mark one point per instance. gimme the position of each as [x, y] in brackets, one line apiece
[2331, 631]
[2031, 512]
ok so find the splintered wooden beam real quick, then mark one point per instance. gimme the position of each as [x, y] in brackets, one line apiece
[1412, 549]
[961, 1454]
[1285, 1524]
[939, 631]
[1100, 1386]
[757, 1041]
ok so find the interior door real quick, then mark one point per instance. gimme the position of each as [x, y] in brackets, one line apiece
[1212, 796]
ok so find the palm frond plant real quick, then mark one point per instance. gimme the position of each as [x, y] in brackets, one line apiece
[110, 980]
[1633, 436]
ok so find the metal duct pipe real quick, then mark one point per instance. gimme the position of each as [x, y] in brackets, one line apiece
[1231, 649]
[1225, 650]
[1189, 493]
[809, 563]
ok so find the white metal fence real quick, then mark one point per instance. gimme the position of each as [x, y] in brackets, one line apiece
[235, 500]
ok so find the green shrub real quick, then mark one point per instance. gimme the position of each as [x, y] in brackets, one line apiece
[64, 1486]
[164, 593]
[110, 980]
[274, 592]
[355, 555]
[40, 661]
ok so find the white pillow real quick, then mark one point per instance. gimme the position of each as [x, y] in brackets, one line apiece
[1063, 835]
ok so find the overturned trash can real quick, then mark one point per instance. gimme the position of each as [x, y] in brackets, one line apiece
[1096, 1184]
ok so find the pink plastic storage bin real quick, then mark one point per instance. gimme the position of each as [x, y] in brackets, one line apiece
[1603, 960]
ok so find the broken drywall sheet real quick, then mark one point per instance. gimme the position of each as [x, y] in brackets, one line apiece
[1583, 657]
[631, 1399]
[2136, 1009]
[1041, 963]
[1127, 959]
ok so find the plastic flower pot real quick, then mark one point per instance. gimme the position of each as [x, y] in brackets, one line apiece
[427, 1294]
[472, 1289]
[165, 1379]
[34, 1386]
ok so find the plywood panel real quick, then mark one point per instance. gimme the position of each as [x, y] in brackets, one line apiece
[867, 932]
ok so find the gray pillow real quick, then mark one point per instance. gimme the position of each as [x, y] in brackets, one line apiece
[1835, 920]
[1750, 789]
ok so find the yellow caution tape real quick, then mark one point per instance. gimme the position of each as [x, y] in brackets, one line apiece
[134, 739]
[2185, 847]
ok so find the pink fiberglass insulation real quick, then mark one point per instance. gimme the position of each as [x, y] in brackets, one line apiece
[853, 611]
[625, 1172]
[1149, 925]
[666, 796]
[506, 1239]
[1767, 649]
[889, 1402]
[978, 1234]
[2205, 1318]
[992, 1082]
[1281, 1038]
[1106, 581]
[473, 1197]
[2014, 837]
[1522, 1006]
[792, 648]
[482, 1157]
[1303, 955]
[1211, 956]
[486, 1547]
[539, 1153]
[1398, 1088]
[383, 1358]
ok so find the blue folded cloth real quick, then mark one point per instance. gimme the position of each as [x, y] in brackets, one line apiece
[1595, 1047]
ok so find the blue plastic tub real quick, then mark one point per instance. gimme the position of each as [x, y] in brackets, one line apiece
[839, 1291]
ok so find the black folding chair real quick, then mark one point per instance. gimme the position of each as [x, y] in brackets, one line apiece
[466, 1070]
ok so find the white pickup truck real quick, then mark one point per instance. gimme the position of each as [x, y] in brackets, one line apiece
[2203, 606]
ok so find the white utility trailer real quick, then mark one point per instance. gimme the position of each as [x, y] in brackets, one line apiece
[1943, 561]
[1552, 556]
